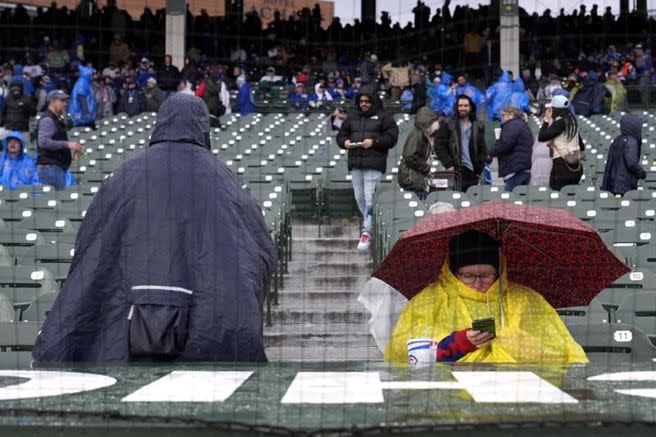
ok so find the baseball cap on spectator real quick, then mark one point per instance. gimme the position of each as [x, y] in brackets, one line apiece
[357, 80]
[558, 102]
[144, 61]
[373, 58]
[300, 85]
[57, 95]
[152, 80]
[271, 70]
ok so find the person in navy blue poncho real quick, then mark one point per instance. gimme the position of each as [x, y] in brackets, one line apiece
[172, 261]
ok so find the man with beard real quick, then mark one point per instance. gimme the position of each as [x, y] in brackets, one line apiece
[367, 133]
[460, 143]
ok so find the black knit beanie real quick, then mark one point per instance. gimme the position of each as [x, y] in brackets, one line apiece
[473, 247]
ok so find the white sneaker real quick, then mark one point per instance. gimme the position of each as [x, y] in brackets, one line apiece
[365, 241]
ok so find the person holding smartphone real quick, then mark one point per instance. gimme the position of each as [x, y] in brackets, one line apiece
[368, 133]
[461, 311]
[561, 130]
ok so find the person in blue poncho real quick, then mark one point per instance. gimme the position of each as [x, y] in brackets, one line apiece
[245, 104]
[17, 168]
[298, 99]
[519, 98]
[498, 95]
[469, 90]
[82, 106]
[28, 88]
[442, 95]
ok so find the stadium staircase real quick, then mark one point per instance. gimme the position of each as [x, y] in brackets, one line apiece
[318, 317]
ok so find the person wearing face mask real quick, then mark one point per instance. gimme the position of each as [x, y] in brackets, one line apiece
[418, 153]
[17, 110]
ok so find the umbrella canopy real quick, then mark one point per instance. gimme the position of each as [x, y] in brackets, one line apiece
[547, 249]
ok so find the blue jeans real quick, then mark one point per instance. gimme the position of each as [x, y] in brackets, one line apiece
[364, 187]
[519, 178]
[52, 175]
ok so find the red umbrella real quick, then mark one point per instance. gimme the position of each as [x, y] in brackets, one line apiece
[546, 249]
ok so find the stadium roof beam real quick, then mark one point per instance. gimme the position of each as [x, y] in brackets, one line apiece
[368, 10]
[509, 36]
[175, 30]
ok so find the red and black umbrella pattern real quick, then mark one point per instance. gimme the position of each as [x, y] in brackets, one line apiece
[546, 249]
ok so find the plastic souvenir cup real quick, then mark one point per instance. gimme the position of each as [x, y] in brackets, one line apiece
[422, 351]
[497, 133]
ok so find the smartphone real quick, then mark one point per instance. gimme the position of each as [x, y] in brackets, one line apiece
[486, 325]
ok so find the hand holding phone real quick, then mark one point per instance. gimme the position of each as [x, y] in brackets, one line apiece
[484, 325]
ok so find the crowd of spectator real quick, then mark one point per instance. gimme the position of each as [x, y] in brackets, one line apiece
[111, 63]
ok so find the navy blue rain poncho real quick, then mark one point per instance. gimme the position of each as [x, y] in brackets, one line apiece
[82, 106]
[172, 261]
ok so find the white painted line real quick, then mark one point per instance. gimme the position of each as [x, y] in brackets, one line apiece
[190, 386]
[334, 388]
[641, 392]
[43, 384]
[421, 385]
[625, 376]
[511, 387]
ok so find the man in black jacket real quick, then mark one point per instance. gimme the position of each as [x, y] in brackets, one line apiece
[168, 76]
[367, 134]
[460, 143]
[17, 110]
[514, 149]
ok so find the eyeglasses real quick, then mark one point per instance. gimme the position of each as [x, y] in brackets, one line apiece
[470, 278]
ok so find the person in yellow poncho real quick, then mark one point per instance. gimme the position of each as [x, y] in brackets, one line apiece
[468, 289]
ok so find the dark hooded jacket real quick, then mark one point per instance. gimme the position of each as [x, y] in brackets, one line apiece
[590, 99]
[448, 142]
[623, 163]
[168, 77]
[514, 148]
[415, 165]
[16, 111]
[376, 124]
[172, 261]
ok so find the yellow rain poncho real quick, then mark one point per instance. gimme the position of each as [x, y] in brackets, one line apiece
[533, 332]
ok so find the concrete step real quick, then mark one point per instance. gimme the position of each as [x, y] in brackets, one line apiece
[331, 255]
[346, 340]
[320, 355]
[310, 245]
[326, 282]
[337, 228]
[310, 267]
[318, 316]
[319, 329]
[338, 298]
